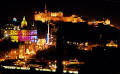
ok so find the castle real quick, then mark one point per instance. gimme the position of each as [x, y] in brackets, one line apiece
[55, 17]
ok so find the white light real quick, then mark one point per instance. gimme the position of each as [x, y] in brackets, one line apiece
[53, 70]
[65, 71]
[104, 49]
[70, 71]
[25, 68]
[37, 69]
[6, 35]
[75, 72]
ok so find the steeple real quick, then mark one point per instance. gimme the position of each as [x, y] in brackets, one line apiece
[45, 8]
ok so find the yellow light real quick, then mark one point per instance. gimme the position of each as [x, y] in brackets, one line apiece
[64, 63]
[70, 71]
[27, 51]
[37, 69]
[17, 67]
[24, 22]
[41, 42]
[14, 38]
[107, 22]
[75, 72]
[112, 44]
[86, 43]
[65, 71]
[25, 68]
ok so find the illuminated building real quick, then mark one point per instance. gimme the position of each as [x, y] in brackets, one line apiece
[19, 35]
[48, 35]
[112, 44]
[14, 19]
[24, 22]
[95, 22]
[22, 35]
[12, 26]
[55, 17]
[26, 50]
[41, 42]
[21, 51]
[107, 22]
[9, 27]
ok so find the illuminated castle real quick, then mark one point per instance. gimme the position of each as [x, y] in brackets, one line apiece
[55, 17]
[105, 22]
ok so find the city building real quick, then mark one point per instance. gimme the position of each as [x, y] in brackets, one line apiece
[22, 35]
[19, 33]
[112, 44]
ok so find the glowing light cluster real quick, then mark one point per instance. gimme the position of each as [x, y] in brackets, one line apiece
[112, 44]
[21, 51]
[107, 22]
[41, 42]
[14, 19]
[23, 35]
[14, 67]
[55, 17]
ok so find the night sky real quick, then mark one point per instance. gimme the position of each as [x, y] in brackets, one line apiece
[87, 8]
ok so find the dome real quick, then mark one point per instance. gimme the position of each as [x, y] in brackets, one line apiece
[24, 22]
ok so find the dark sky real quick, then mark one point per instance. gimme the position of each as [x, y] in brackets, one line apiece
[89, 8]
